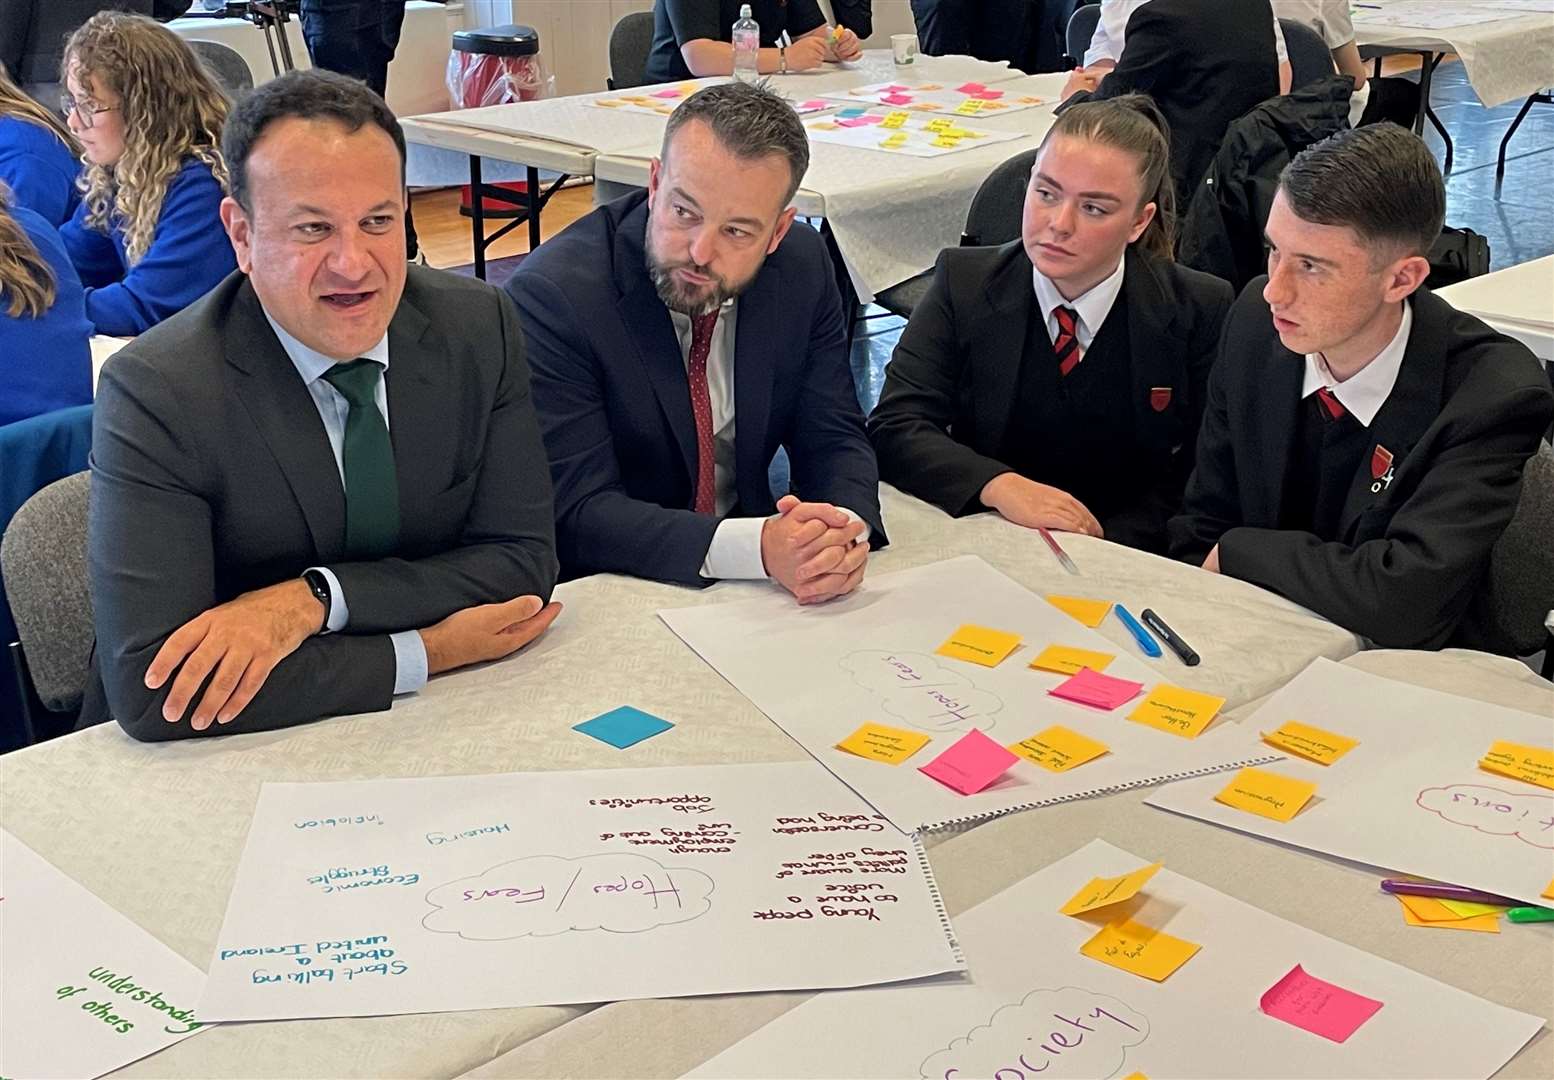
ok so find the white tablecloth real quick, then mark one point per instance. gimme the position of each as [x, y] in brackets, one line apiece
[666, 1038]
[156, 829]
[1505, 58]
[1517, 301]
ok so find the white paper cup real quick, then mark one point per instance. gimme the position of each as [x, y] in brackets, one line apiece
[904, 47]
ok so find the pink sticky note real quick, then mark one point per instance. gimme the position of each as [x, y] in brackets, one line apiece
[1316, 1006]
[896, 99]
[896, 88]
[1096, 690]
[973, 763]
[853, 122]
[672, 93]
[970, 88]
[987, 95]
[871, 118]
[815, 104]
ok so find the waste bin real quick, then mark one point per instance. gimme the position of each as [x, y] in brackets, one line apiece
[494, 66]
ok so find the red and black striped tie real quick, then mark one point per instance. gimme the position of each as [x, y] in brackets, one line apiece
[1066, 344]
[1334, 407]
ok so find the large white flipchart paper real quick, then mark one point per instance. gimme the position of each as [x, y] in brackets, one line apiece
[1036, 1009]
[1410, 797]
[819, 672]
[83, 990]
[370, 897]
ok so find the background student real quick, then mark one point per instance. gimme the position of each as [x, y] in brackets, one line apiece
[691, 38]
[146, 238]
[37, 156]
[45, 359]
[1060, 379]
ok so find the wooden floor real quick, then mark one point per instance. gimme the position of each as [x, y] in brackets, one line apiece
[445, 233]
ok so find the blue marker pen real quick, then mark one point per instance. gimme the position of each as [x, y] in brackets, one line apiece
[1140, 635]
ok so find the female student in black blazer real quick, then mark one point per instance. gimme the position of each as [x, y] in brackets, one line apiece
[1060, 379]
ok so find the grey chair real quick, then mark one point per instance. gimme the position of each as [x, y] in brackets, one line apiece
[43, 560]
[1520, 601]
[1081, 28]
[630, 41]
[994, 218]
[226, 65]
[1310, 58]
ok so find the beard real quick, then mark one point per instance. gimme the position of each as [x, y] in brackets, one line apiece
[687, 299]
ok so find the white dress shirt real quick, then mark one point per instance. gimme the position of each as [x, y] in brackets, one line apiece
[735, 551]
[409, 650]
[1332, 20]
[1111, 32]
[1092, 306]
[1366, 391]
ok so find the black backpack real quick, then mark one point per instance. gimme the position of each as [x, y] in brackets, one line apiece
[1458, 254]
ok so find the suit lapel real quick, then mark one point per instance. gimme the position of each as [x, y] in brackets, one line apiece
[651, 334]
[1155, 341]
[425, 438]
[1409, 410]
[758, 327]
[996, 347]
[287, 420]
[1278, 409]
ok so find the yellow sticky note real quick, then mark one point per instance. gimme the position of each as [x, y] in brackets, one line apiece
[1548, 894]
[1427, 908]
[979, 645]
[1311, 743]
[1534, 764]
[969, 108]
[946, 142]
[938, 126]
[1067, 661]
[880, 743]
[1484, 924]
[1181, 712]
[824, 126]
[966, 133]
[1140, 950]
[1089, 612]
[1058, 749]
[1466, 909]
[609, 103]
[1267, 794]
[895, 142]
[1103, 892]
[1135, 1076]
[894, 121]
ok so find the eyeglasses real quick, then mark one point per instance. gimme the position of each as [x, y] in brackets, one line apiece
[85, 111]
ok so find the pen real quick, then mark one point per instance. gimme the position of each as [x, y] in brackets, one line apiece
[1443, 892]
[1530, 914]
[1068, 564]
[1140, 635]
[1178, 646]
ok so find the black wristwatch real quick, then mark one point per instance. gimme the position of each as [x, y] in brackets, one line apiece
[318, 581]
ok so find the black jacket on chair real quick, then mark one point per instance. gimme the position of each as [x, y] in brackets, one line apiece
[1466, 413]
[1206, 63]
[948, 404]
[1222, 231]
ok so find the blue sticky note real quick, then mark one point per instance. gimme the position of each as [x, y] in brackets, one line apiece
[623, 727]
[848, 114]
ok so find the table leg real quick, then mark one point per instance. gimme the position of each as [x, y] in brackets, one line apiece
[477, 216]
[535, 203]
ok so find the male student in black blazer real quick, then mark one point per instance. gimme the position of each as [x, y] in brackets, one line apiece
[1364, 442]
[1205, 62]
[990, 402]
[680, 337]
[324, 481]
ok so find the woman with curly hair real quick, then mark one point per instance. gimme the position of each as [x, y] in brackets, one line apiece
[147, 238]
[37, 156]
[45, 358]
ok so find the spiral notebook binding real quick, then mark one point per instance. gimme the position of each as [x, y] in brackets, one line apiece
[1094, 793]
[938, 902]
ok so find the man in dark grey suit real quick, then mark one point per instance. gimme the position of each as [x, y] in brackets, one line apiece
[324, 481]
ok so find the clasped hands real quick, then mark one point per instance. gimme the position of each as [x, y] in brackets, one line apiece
[813, 550]
[243, 640]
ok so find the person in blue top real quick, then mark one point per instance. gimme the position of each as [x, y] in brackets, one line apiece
[147, 238]
[37, 156]
[45, 358]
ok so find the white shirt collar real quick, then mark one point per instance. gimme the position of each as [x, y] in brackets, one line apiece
[310, 363]
[1367, 390]
[1091, 306]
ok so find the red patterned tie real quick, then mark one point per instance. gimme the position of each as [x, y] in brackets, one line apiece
[1067, 343]
[1334, 407]
[701, 408]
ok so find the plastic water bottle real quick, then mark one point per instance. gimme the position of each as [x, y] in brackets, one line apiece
[747, 47]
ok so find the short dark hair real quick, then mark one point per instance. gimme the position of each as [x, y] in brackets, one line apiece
[1379, 180]
[751, 120]
[309, 95]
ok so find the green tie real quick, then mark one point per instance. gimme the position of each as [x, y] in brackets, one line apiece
[371, 490]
